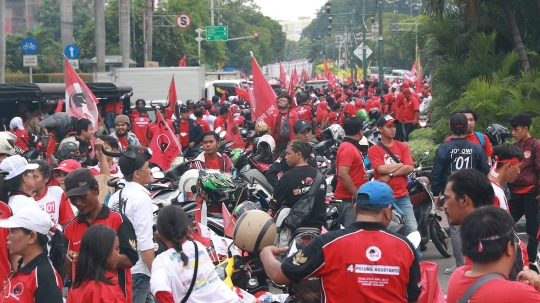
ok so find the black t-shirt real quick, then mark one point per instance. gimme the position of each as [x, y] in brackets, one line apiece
[295, 184]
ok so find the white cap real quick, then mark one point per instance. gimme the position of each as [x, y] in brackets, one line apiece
[16, 165]
[361, 85]
[31, 218]
[6, 147]
[395, 85]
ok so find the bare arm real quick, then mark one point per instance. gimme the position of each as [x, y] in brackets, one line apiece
[404, 170]
[343, 175]
[124, 262]
[385, 169]
[272, 266]
[148, 257]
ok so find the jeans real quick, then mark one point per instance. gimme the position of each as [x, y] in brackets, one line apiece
[404, 203]
[141, 289]
[109, 121]
[455, 239]
[400, 132]
[526, 204]
[346, 212]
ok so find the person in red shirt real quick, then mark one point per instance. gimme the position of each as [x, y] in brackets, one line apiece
[24, 138]
[321, 117]
[409, 109]
[221, 120]
[141, 124]
[488, 241]
[350, 169]
[83, 191]
[472, 136]
[5, 266]
[95, 281]
[35, 278]
[280, 124]
[211, 159]
[187, 130]
[182, 62]
[392, 162]
[389, 105]
[199, 118]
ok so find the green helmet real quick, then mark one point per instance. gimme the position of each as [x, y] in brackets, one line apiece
[212, 184]
[363, 114]
[235, 155]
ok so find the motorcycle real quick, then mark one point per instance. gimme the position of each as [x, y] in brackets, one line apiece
[425, 211]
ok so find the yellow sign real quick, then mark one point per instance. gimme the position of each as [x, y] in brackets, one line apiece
[220, 64]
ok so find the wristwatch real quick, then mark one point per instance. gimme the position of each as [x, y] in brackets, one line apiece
[391, 175]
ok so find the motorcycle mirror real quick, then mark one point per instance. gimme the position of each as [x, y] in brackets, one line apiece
[229, 144]
[222, 134]
[158, 175]
[218, 130]
[155, 169]
[426, 153]
[415, 238]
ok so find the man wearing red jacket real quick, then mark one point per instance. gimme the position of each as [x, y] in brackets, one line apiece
[280, 124]
[141, 124]
[211, 159]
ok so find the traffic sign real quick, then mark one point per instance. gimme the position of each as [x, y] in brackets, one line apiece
[359, 51]
[183, 21]
[30, 61]
[71, 51]
[74, 63]
[29, 46]
[217, 33]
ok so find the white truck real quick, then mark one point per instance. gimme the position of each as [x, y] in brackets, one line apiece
[153, 83]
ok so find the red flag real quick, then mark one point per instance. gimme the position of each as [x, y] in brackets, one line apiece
[80, 101]
[264, 103]
[164, 144]
[319, 76]
[242, 94]
[223, 97]
[283, 76]
[350, 79]
[292, 85]
[203, 240]
[171, 97]
[233, 133]
[228, 221]
[326, 70]
[294, 78]
[244, 76]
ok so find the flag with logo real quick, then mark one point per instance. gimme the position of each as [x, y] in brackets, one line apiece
[164, 144]
[264, 101]
[80, 101]
[172, 97]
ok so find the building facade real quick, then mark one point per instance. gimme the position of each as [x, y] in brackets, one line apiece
[293, 29]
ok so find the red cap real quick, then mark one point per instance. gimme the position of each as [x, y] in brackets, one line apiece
[406, 91]
[208, 101]
[405, 84]
[340, 100]
[68, 166]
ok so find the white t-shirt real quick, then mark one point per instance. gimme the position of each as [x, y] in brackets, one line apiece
[500, 197]
[54, 202]
[169, 274]
[17, 202]
[96, 170]
[210, 119]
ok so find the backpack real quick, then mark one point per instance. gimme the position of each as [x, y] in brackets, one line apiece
[480, 137]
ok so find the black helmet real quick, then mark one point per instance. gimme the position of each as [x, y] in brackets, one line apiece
[497, 134]
[189, 101]
[374, 114]
[60, 123]
[70, 150]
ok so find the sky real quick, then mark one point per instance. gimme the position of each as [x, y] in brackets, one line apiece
[284, 10]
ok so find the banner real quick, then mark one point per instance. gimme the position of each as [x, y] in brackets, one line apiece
[80, 101]
[264, 103]
[164, 144]
[172, 97]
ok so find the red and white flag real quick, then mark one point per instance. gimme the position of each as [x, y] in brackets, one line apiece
[80, 101]
[164, 144]
[264, 101]
[171, 97]
[228, 221]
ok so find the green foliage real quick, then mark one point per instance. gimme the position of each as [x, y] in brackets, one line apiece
[44, 78]
[418, 147]
[48, 15]
[423, 134]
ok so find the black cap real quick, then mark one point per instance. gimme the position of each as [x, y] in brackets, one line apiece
[184, 109]
[458, 121]
[301, 125]
[79, 181]
[386, 120]
[133, 158]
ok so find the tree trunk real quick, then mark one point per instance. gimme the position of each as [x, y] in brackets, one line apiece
[514, 30]
[99, 31]
[538, 6]
[2, 41]
[149, 28]
[66, 22]
[124, 32]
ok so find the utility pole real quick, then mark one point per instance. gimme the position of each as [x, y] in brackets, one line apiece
[364, 67]
[381, 43]
[2, 41]
[212, 11]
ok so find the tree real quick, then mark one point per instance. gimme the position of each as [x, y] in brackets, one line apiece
[125, 38]
[2, 40]
[66, 18]
[99, 21]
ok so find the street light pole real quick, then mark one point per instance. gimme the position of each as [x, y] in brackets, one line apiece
[381, 43]
[364, 68]
[199, 39]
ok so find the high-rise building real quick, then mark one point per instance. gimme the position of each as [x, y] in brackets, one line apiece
[21, 14]
[293, 29]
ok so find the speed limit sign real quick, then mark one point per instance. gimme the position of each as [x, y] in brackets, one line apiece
[183, 21]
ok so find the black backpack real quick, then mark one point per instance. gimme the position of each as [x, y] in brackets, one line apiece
[301, 210]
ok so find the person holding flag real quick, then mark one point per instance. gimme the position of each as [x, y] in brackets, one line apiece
[280, 124]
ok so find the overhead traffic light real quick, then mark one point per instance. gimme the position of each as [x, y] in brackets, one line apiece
[328, 6]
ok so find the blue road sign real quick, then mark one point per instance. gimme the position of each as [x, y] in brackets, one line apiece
[29, 46]
[71, 51]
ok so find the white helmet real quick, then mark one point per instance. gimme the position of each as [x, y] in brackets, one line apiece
[336, 131]
[266, 142]
[7, 141]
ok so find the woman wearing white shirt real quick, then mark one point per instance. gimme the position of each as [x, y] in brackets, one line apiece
[17, 186]
[173, 270]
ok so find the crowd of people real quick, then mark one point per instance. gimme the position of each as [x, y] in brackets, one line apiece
[66, 228]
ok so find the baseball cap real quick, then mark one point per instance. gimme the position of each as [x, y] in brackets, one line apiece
[406, 91]
[68, 166]
[376, 194]
[79, 181]
[31, 218]
[301, 125]
[395, 85]
[386, 120]
[458, 121]
[184, 109]
[122, 119]
[16, 165]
